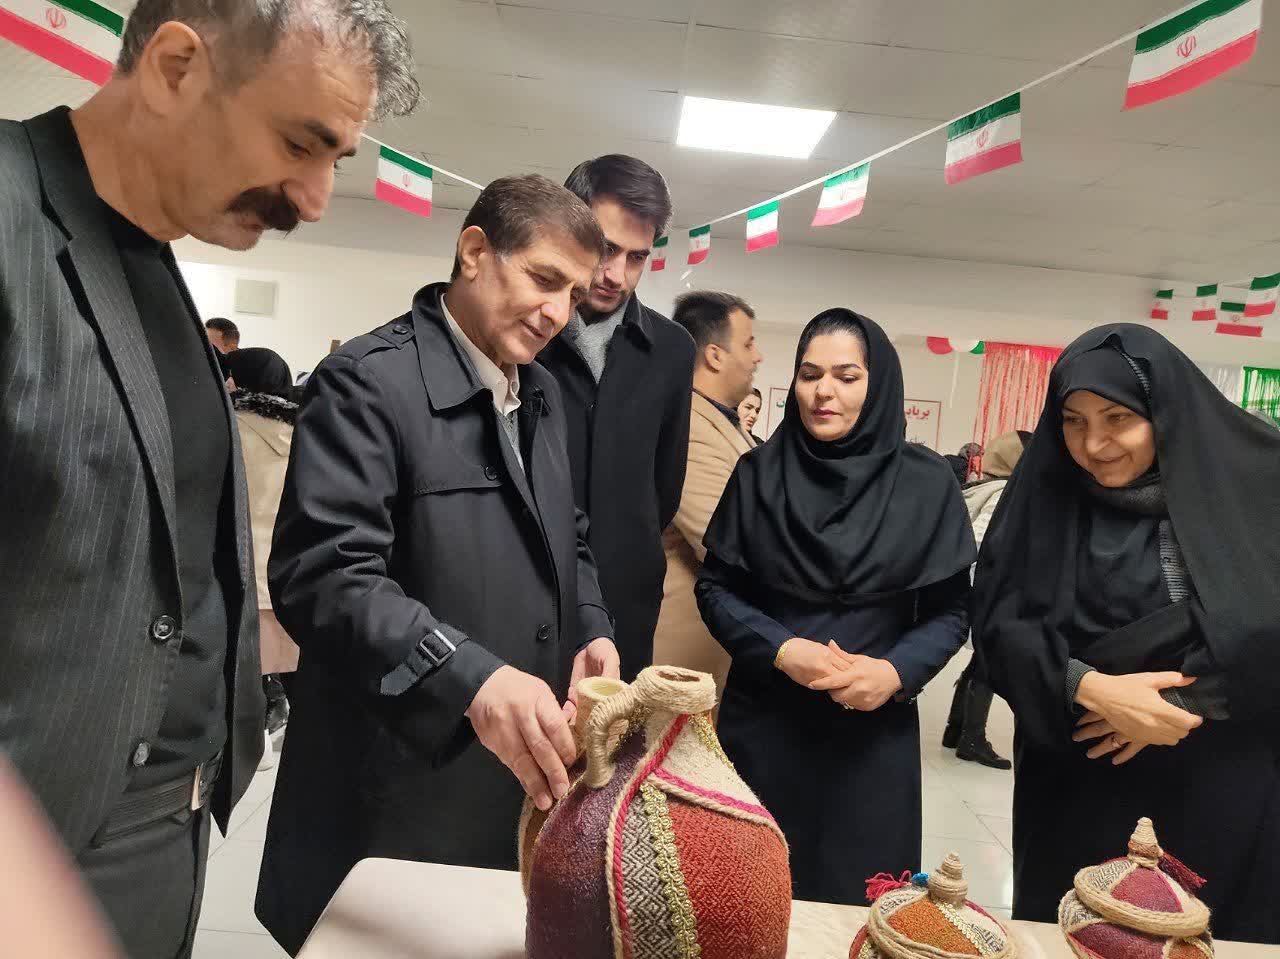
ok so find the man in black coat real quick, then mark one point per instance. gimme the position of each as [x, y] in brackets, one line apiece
[626, 373]
[130, 692]
[430, 563]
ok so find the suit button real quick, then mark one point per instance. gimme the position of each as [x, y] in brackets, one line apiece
[490, 473]
[163, 628]
[400, 328]
[544, 633]
[141, 753]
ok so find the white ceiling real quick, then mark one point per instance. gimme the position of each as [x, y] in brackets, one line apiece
[1187, 189]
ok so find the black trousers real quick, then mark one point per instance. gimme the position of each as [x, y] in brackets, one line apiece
[150, 882]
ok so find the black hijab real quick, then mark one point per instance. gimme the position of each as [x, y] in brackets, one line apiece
[1219, 470]
[259, 370]
[853, 520]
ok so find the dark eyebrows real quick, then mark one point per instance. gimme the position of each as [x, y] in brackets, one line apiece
[327, 136]
[838, 368]
[1105, 409]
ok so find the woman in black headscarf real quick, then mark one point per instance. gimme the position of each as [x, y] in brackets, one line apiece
[837, 576]
[1126, 606]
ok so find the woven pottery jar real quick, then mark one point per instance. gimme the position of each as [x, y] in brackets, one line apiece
[930, 917]
[1141, 906]
[659, 850]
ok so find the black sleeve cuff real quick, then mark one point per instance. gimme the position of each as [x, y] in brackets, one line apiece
[593, 622]
[431, 715]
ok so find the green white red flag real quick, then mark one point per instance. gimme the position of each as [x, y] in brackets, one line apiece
[699, 244]
[985, 140]
[1234, 323]
[1261, 299]
[762, 226]
[1161, 304]
[1206, 303]
[404, 181]
[1191, 48]
[843, 196]
[658, 259]
[77, 35]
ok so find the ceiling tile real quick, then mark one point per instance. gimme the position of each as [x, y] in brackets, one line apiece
[759, 68]
[858, 21]
[669, 10]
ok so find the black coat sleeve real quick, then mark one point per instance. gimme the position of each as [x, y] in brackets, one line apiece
[750, 636]
[594, 619]
[672, 455]
[328, 570]
[942, 622]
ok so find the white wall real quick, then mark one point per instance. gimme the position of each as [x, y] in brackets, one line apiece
[331, 292]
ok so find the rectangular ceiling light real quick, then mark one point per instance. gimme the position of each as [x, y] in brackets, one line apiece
[751, 127]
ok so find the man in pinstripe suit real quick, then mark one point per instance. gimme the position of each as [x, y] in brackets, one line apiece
[130, 697]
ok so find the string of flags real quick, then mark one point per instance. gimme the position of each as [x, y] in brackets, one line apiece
[1172, 56]
[1209, 302]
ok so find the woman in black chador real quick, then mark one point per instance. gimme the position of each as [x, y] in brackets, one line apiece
[1126, 605]
[837, 576]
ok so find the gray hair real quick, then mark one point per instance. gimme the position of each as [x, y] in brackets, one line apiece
[243, 33]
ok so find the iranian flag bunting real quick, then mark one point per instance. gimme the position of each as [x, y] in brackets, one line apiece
[658, 259]
[1206, 305]
[404, 182]
[843, 196]
[1191, 48]
[1160, 308]
[1261, 300]
[762, 227]
[1233, 321]
[985, 140]
[943, 345]
[699, 244]
[77, 35]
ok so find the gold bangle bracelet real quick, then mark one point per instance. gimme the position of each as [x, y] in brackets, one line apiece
[782, 651]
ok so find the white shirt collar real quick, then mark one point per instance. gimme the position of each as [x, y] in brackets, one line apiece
[503, 384]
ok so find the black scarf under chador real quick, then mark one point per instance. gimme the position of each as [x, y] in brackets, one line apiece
[1037, 599]
[850, 521]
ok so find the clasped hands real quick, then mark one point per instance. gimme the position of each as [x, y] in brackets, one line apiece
[517, 718]
[1126, 714]
[851, 680]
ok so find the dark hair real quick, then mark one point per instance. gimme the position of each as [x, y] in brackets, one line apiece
[259, 370]
[757, 394]
[638, 187]
[224, 326]
[513, 211]
[837, 320]
[705, 314]
[241, 34]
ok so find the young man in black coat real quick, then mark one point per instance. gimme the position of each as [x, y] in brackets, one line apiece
[626, 373]
[430, 562]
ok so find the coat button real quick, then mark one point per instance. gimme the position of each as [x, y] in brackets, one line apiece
[544, 633]
[400, 328]
[141, 753]
[490, 473]
[163, 628]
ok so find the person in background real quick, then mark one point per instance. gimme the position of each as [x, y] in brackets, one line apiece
[265, 414]
[223, 334]
[722, 327]
[1125, 605]
[749, 412]
[624, 372]
[429, 560]
[966, 730]
[129, 677]
[834, 632]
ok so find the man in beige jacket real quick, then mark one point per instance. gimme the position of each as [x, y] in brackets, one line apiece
[722, 327]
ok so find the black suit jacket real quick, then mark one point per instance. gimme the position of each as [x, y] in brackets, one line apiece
[629, 446]
[404, 512]
[88, 557]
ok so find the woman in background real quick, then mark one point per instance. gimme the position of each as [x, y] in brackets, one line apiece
[1126, 607]
[262, 389]
[837, 577]
[749, 412]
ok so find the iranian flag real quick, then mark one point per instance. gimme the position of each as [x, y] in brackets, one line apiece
[77, 35]
[699, 244]
[404, 182]
[1234, 322]
[658, 260]
[842, 196]
[1206, 305]
[762, 227]
[1191, 48]
[1160, 308]
[985, 140]
[1261, 299]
